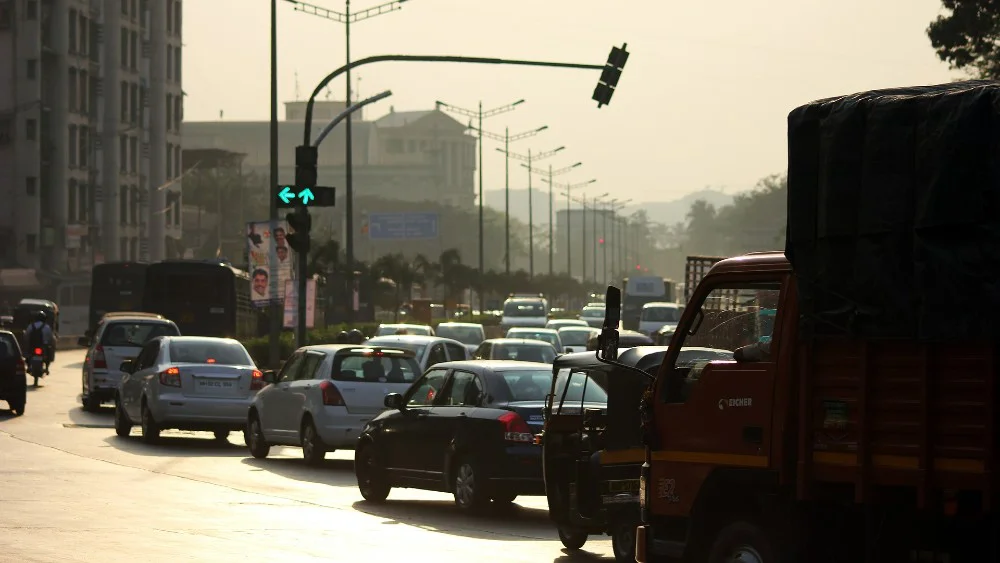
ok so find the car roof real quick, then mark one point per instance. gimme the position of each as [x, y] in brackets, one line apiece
[414, 338]
[404, 325]
[42, 302]
[527, 341]
[530, 329]
[132, 314]
[493, 365]
[630, 356]
[582, 328]
[198, 339]
[347, 348]
[133, 319]
[662, 304]
[470, 325]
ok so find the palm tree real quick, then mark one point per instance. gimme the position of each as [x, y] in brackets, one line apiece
[429, 272]
[403, 274]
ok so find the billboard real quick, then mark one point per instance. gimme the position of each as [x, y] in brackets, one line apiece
[396, 226]
[291, 303]
[270, 261]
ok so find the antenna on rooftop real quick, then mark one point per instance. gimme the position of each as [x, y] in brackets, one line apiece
[298, 97]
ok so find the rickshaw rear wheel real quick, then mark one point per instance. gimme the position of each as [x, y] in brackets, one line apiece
[572, 538]
[623, 541]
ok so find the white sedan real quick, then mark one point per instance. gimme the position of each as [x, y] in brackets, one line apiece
[187, 383]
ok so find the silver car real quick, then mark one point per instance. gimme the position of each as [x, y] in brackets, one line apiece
[187, 383]
[429, 350]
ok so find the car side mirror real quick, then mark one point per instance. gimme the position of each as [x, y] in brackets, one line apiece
[394, 401]
[270, 376]
[126, 366]
[607, 341]
[83, 342]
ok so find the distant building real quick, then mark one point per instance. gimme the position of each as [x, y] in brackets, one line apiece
[90, 129]
[408, 156]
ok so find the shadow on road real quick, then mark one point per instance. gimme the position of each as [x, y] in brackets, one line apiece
[104, 418]
[76, 365]
[512, 523]
[581, 556]
[175, 444]
[333, 472]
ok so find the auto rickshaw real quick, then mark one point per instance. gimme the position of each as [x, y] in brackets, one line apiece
[626, 339]
[592, 447]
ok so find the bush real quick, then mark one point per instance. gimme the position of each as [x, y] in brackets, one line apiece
[260, 351]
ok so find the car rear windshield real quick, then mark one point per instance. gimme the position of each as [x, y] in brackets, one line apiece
[524, 353]
[417, 349]
[595, 313]
[371, 368]
[464, 334]
[524, 386]
[581, 388]
[8, 347]
[574, 337]
[388, 330]
[661, 314]
[524, 309]
[531, 335]
[135, 334]
[209, 352]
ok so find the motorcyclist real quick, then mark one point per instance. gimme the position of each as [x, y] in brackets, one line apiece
[342, 338]
[355, 336]
[39, 335]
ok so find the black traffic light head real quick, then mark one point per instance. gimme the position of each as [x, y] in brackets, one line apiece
[306, 159]
[300, 223]
[610, 75]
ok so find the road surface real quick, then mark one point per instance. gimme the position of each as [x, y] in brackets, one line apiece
[72, 491]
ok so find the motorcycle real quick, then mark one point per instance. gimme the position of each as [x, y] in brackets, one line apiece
[36, 365]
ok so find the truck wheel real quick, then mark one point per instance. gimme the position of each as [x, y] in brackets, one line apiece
[572, 538]
[623, 541]
[741, 542]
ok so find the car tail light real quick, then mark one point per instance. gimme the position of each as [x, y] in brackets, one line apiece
[257, 381]
[20, 367]
[331, 395]
[99, 360]
[171, 377]
[515, 429]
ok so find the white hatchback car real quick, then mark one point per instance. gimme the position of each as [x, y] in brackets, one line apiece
[118, 337]
[428, 350]
[324, 395]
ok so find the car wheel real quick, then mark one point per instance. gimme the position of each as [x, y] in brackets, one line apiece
[259, 448]
[221, 435]
[504, 497]
[572, 538]
[741, 541]
[313, 449]
[623, 541]
[470, 486]
[123, 426]
[371, 478]
[150, 429]
[91, 404]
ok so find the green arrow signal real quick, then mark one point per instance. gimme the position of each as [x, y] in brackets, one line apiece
[306, 196]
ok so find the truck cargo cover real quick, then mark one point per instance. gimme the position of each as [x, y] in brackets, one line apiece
[894, 212]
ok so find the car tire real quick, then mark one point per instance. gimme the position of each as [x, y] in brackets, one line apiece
[313, 448]
[470, 486]
[91, 404]
[150, 428]
[372, 483]
[739, 538]
[254, 437]
[123, 425]
[623, 541]
[221, 435]
[504, 498]
[572, 538]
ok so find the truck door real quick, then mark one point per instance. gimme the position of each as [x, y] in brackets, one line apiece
[730, 400]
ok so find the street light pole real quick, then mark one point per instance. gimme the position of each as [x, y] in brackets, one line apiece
[594, 214]
[569, 229]
[275, 309]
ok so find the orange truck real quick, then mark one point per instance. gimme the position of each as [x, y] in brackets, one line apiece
[858, 419]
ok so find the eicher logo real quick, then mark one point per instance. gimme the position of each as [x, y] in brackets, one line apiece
[744, 402]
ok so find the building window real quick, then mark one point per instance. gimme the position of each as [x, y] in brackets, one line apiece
[170, 112]
[122, 153]
[71, 203]
[74, 96]
[170, 62]
[133, 156]
[124, 7]
[31, 69]
[177, 18]
[30, 185]
[31, 129]
[72, 31]
[31, 9]
[134, 50]
[123, 48]
[6, 12]
[84, 94]
[83, 204]
[84, 146]
[133, 207]
[84, 39]
[123, 205]
[178, 161]
[178, 112]
[134, 9]
[133, 104]
[72, 146]
[123, 242]
[29, 243]
[177, 65]
[170, 159]
[170, 16]
[123, 102]
[133, 249]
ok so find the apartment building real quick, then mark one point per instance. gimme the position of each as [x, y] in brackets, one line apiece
[90, 131]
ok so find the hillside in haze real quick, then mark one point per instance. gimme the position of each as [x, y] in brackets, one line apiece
[668, 212]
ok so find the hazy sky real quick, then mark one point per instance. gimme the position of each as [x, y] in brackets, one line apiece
[702, 102]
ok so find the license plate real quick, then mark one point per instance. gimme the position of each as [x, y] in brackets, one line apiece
[216, 384]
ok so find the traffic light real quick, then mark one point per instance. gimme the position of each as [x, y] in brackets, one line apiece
[300, 223]
[610, 75]
[306, 159]
[600, 240]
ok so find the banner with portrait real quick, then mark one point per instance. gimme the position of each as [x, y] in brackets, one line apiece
[270, 262]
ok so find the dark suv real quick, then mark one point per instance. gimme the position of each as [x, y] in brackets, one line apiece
[13, 383]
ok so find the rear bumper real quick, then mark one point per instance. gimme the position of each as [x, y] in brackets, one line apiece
[340, 429]
[194, 413]
[520, 470]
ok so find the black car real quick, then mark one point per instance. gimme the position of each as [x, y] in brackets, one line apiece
[468, 428]
[13, 382]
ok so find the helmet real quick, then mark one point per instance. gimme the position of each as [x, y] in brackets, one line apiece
[356, 336]
[343, 337]
[40, 316]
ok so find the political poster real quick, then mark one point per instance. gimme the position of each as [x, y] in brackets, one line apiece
[292, 303]
[270, 262]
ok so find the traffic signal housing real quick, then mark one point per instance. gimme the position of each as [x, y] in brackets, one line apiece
[306, 160]
[300, 223]
[610, 75]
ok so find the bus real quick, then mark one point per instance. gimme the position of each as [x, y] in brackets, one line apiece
[115, 286]
[204, 298]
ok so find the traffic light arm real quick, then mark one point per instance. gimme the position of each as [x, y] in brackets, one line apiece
[307, 130]
[344, 114]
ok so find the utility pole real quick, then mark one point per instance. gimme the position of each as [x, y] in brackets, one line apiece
[593, 210]
[569, 229]
[507, 139]
[275, 310]
[529, 158]
[347, 18]
[615, 206]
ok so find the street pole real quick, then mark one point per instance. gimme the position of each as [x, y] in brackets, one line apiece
[569, 230]
[552, 255]
[531, 225]
[481, 251]
[604, 247]
[506, 194]
[583, 240]
[275, 310]
[349, 167]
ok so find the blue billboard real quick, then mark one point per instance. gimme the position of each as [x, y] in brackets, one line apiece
[401, 226]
